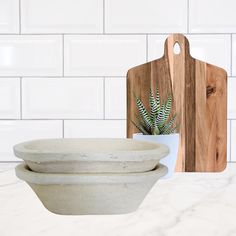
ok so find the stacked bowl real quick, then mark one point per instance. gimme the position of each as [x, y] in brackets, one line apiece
[90, 176]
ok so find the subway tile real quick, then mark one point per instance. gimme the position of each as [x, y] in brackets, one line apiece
[115, 98]
[57, 98]
[233, 140]
[103, 55]
[95, 128]
[64, 16]
[156, 46]
[228, 140]
[231, 98]
[214, 49]
[212, 16]
[153, 16]
[30, 55]
[9, 98]
[9, 16]
[234, 55]
[13, 132]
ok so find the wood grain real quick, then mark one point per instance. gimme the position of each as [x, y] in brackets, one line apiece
[200, 100]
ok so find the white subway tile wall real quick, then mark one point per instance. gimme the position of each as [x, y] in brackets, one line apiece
[64, 16]
[63, 63]
[30, 55]
[234, 55]
[10, 98]
[15, 131]
[152, 16]
[9, 16]
[103, 55]
[115, 98]
[56, 98]
[233, 140]
[215, 49]
[95, 128]
[231, 98]
[212, 16]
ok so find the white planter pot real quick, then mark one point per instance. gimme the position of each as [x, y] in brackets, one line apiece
[172, 141]
[90, 155]
[83, 194]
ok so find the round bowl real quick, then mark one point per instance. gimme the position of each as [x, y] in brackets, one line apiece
[90, 194]
[90, 155]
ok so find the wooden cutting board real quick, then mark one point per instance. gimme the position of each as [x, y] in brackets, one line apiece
[199, 91]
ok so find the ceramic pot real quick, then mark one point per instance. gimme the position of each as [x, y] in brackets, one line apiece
[172, 141]
[90, 155]
[85, 194]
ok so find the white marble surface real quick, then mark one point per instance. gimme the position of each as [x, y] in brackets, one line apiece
[193, 204]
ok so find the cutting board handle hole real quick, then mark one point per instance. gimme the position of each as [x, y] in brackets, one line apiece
[176, 48]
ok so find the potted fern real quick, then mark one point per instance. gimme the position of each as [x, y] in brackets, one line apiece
[158, 126]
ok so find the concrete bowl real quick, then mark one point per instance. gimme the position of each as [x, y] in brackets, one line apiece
[90, 155]
[91, 194]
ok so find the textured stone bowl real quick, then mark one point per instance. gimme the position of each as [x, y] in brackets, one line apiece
[90, 155]
[85, 194]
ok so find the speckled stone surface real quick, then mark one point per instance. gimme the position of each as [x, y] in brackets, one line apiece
[187, 204]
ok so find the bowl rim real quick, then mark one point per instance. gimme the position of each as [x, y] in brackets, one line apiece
[158, 151]
[23, 172]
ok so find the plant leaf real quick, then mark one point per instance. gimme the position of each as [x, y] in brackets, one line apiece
[153, 107]
[143, 113]
[165, 129]
[164, 113]
[171, 131]
[158, 102]
[158, 121]
[155, 131]
[141, 123]
[140, 128]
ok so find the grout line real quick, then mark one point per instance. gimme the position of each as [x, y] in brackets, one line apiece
[69, 77]
[103, 23]
[146, 48]
[55, 119]
[135, 33]
[63, 52]
[19, 16]
[61, 118]
[21, 98]
[231, 54]
[188, 16]
[73, 77]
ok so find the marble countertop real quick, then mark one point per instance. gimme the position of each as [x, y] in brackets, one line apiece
[193, 204]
